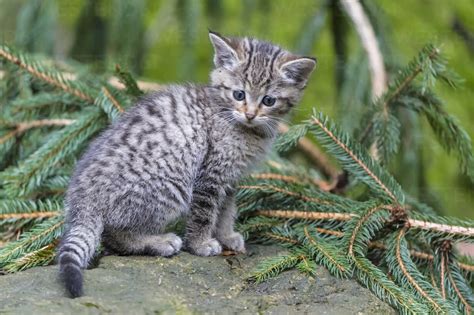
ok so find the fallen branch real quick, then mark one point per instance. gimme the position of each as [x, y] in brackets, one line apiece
[410, 223]
[21, 127]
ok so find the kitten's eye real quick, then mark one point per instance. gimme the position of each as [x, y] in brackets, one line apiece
[268, 100]
[239, 95]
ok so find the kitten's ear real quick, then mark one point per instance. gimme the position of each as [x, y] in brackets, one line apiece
[298, 69]
[224, 54]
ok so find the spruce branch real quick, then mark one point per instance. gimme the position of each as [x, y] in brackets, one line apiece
[285, 178]
[108, 100]
[40, 257]
[413, 253]
[274, 266]
[30, 173]
[55, 80]
[40, 235]
[305, 215]
[462, 290]
[21, 127]
[444, 229]
[23, 210]
[406, 273]
[401, 82]
[318, 157]
[112, 99]
[355, 160]
[34, 215]
[321, 251]
[385, 289]
[126, 78]
[467, 232]
[272, 188]
[448, 131]
[359, 223]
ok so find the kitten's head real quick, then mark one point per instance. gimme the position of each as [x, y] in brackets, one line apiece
[259, 81]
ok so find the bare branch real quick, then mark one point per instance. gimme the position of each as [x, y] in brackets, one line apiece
[369, 42]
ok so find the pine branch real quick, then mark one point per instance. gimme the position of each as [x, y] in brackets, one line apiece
[40, 257]
[40, 235]
[292, 214]
[296, 136]
[446, 128]
[41, 100]
[355, 160]
[125, 77]
[462, 290]
[357, 225]
[30, 173]
[272, 267]
[271, 188]
[467, 232]
[327, 255]
[13, 210]
[406, 273]
[109, 103]
[33, 68]
[385, 289]
[112, 99]
[21, 127]
[35, 215]
[446, 230]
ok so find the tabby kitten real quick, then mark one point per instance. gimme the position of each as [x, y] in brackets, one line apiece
[180, 152]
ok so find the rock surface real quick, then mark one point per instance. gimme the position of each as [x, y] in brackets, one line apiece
[186, 284]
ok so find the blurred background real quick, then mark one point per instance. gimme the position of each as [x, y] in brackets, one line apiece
[167, 41]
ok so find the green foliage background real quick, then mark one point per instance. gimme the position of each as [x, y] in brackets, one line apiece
[166, 41]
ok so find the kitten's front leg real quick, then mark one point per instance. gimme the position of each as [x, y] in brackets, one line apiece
[225, 233]
[208, 194]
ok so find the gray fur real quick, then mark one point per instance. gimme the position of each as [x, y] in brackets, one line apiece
[180, 152]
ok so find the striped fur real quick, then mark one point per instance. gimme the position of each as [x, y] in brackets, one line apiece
[179, 152]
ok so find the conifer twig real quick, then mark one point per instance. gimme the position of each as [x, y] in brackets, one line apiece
[359, 225]
[409, 277]
[400, 88]
[355, 158]
[112, 99]
[26, 125]
[443, 265]
[445, 228]
[285, 178]
[320, 159]
[306, 215]
[458, 292]
[43, 76]
[32, 215]
[314, 243]
[413, 253]
[286, 192]
[410, 223]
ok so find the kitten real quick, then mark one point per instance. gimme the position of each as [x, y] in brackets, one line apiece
[180, 152]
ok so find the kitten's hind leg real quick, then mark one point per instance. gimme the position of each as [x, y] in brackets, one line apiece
[127, 243]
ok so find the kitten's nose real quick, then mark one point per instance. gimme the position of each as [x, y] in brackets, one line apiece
[249, 115]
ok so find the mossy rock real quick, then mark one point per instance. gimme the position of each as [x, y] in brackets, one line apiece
[186, 284]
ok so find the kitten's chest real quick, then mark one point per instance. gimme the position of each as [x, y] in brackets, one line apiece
[240, 152]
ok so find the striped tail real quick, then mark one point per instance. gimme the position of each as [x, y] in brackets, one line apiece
[77, 248]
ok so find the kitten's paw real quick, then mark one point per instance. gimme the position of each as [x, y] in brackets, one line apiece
[169, 244]
[233, 241]
[210, 247]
